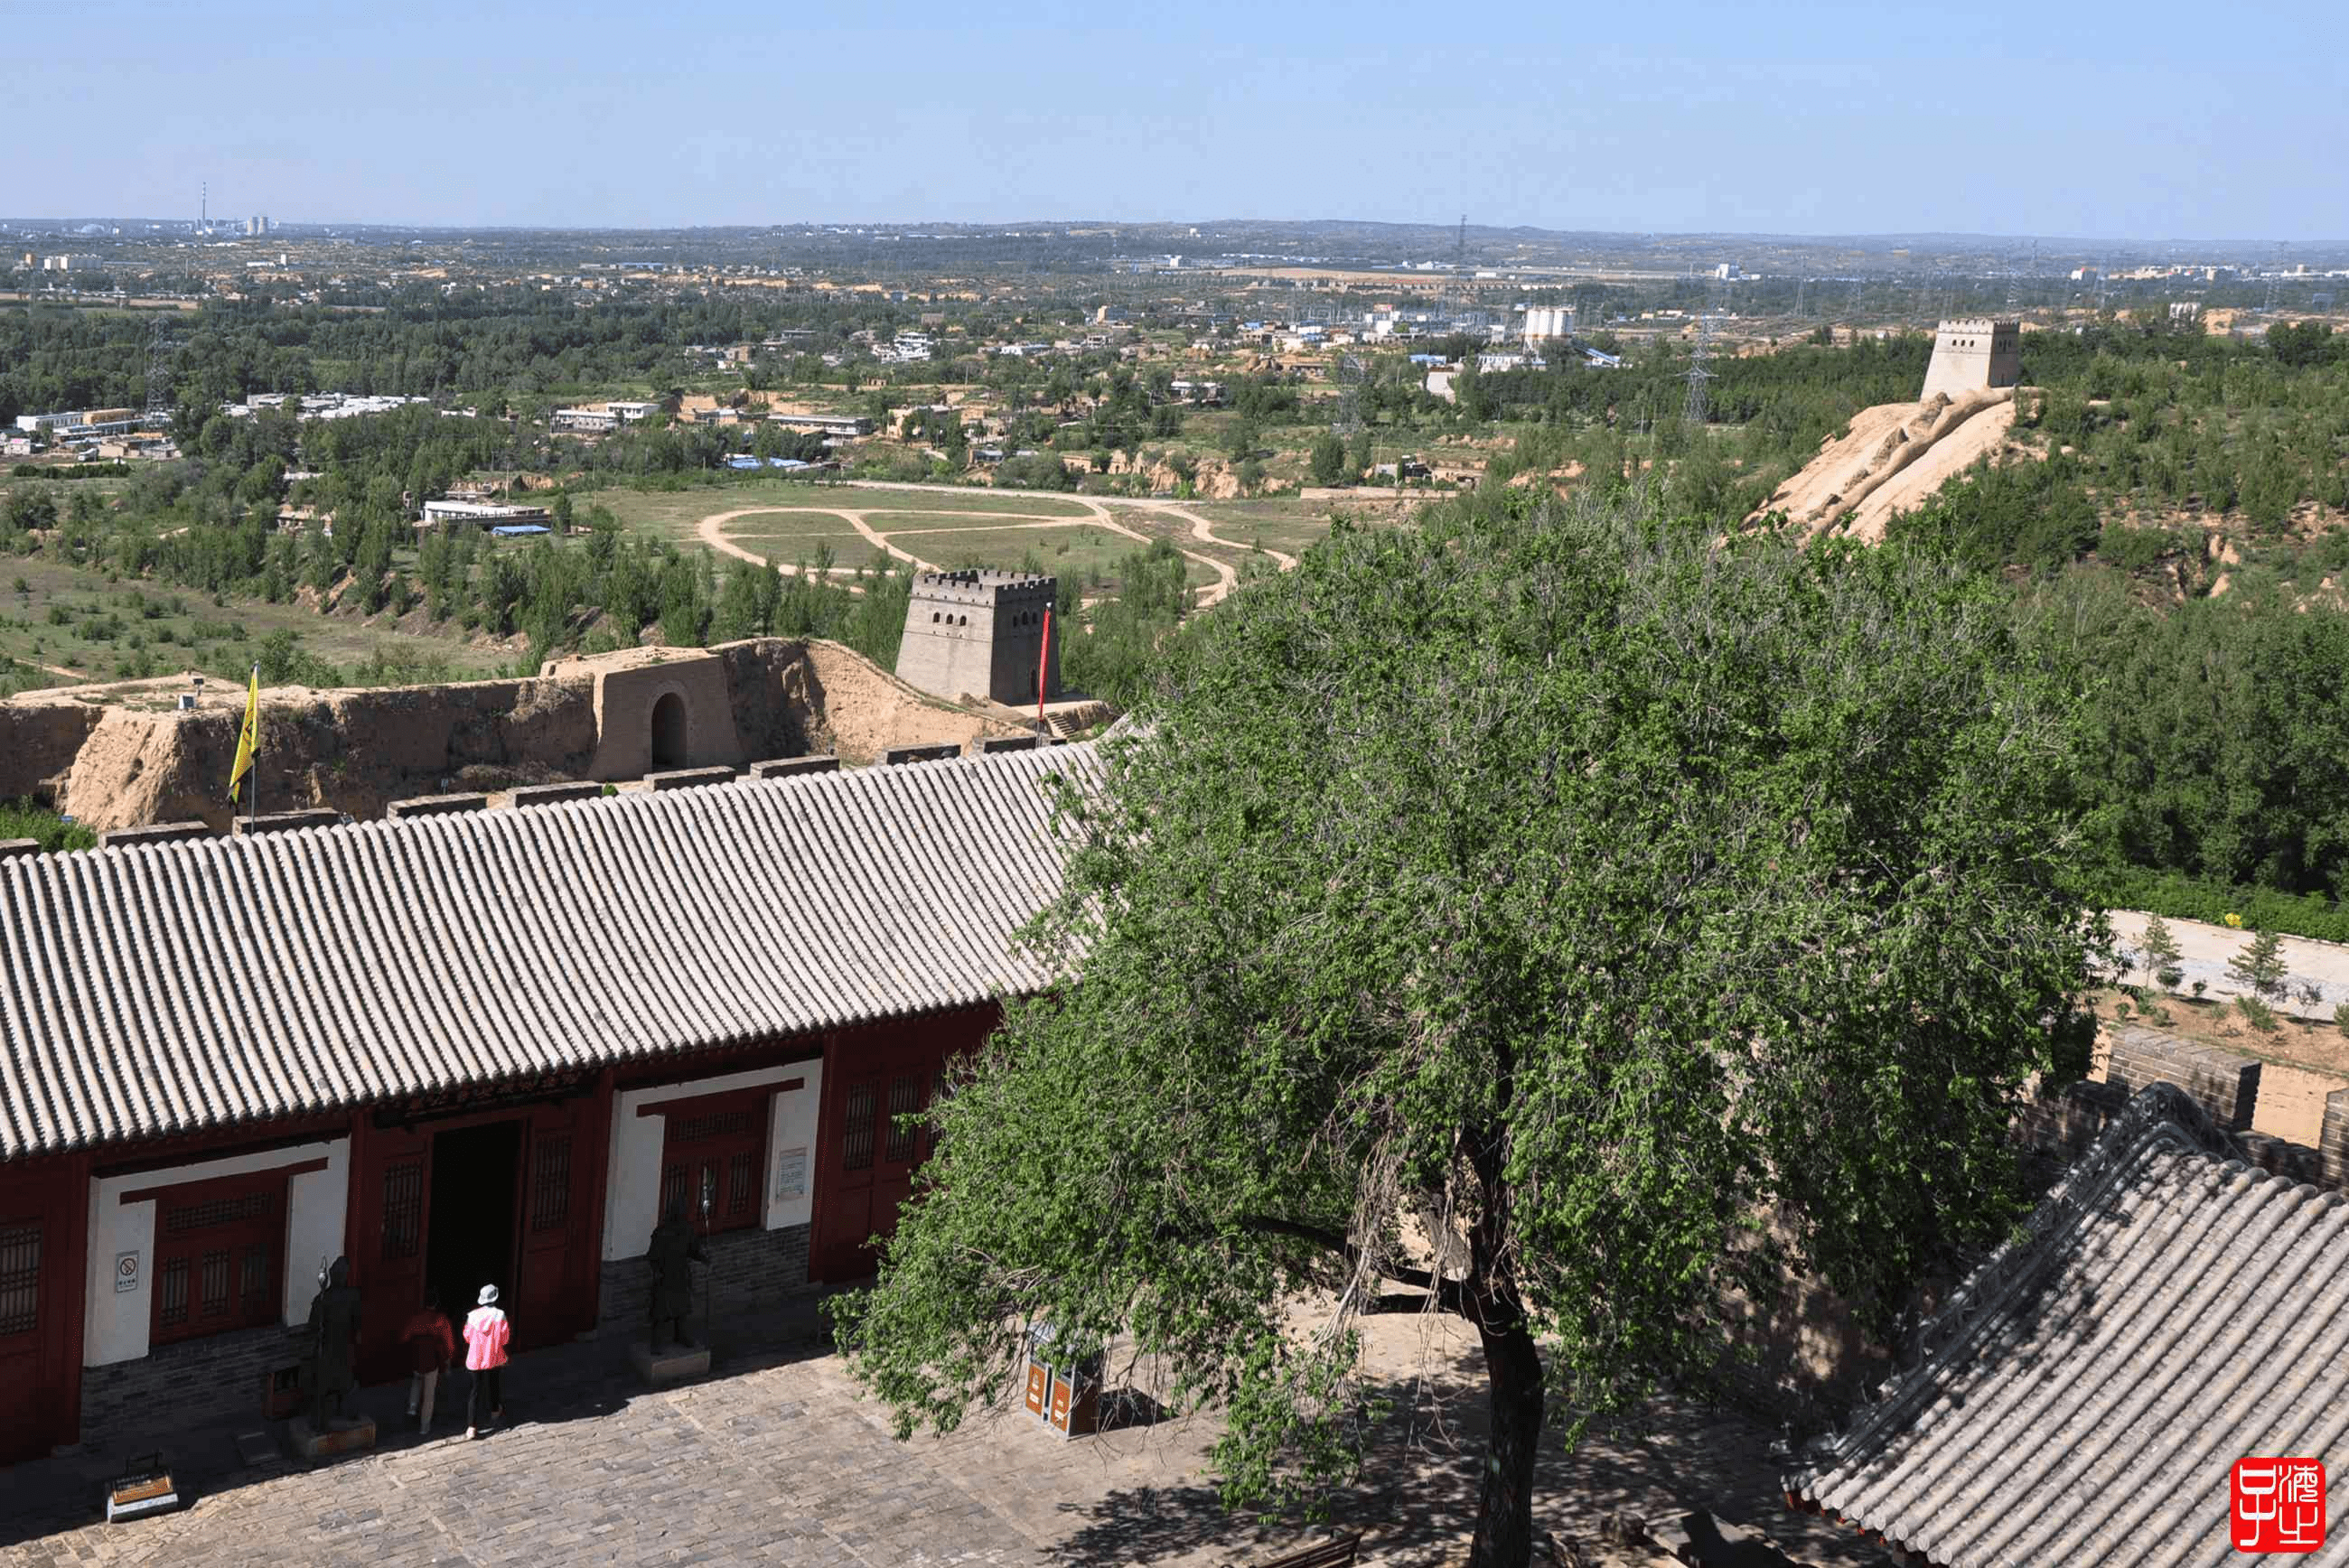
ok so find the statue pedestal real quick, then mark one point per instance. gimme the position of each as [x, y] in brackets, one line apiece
[668, 1363]
[334, 1440]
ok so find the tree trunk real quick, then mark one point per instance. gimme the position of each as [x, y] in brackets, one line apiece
[1505, 1507]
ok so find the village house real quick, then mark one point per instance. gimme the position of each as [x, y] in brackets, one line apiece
[473, 1047]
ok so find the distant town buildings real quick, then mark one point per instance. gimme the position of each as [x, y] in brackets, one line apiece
[1545, 322]
[482, 514]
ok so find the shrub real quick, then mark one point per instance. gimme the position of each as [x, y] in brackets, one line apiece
[2341, 1017]
[2257, 1014]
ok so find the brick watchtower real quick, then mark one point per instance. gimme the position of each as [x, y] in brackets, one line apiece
[1972, 356]
[979, 633]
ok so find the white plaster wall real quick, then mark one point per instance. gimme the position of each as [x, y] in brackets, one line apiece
[116, 1324]
[632, 1185]
[793, 1130]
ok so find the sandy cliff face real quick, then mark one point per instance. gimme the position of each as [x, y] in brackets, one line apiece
[1894, 457]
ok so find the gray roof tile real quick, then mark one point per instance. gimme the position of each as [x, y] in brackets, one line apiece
[164, 988]
[2082, 1398]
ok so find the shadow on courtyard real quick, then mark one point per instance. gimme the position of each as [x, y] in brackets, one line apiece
[1415, 1503]
[578, 1382]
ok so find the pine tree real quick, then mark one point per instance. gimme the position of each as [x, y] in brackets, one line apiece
[2260, 967]
[2162, 954]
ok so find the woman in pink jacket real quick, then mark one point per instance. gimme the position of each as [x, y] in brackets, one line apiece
[486, 1333]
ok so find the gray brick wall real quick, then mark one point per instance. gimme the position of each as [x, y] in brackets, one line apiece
[2062, 1123]
[196, 1380]
[748, 1272]
[2333, 1144]
[2226, 1086]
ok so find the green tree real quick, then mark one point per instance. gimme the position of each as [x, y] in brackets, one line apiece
[1391, 925]
[2260, 967]
[1358, 456]
[2162, 954]
[1328, 461]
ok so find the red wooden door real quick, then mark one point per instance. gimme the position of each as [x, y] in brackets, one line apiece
[554, 1299]
[391, 1200]
[30, 1261]
[869, 1156]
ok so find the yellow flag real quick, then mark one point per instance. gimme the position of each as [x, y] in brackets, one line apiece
[248, 739]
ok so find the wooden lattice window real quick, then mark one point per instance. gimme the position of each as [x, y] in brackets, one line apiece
[856, 1129]
[905, 1099]
[713, 1158]
[939, 1087]
[219, 1256]
[742, 1183]
[550, 1182]
[171, 1293]
[711, 1128]
[403, 1209]
[20, 1278]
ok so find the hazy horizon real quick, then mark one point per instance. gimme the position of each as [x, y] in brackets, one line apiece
[1434, 227]
[1846, 120]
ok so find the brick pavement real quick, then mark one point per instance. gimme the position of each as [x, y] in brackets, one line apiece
[776, 1460]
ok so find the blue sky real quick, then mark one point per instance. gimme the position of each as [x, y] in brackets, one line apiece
[2153, 121]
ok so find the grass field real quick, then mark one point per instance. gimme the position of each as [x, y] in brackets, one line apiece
[69, 620]
[1090, 555]
[934, 522]
[786, 538]
[678, 512]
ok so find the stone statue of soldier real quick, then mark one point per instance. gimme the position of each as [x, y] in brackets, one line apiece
[674, 1249]
[334, 1334]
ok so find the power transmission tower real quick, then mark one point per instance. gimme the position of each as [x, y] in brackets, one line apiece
[2275, 278]
[1348, 418]
[1455, 303]
[1694, 412]
[160, 349]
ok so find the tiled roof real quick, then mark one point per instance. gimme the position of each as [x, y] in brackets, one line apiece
[2082, 1398]
[161, 989]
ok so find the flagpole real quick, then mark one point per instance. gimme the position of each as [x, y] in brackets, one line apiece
[1043, 662]
[252, 802]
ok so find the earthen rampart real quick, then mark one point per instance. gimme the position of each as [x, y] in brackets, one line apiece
[127, 755]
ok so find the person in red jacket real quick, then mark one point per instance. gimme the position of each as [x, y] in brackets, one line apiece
[486, 1333]
[431, 1345]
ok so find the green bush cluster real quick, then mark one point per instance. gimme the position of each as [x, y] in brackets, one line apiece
[2186, 898]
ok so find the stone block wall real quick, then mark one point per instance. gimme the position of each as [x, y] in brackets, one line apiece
[2332, 1146]
[748, 1271]
[2061, 1123]
[2225, 1085]
[132, 1404]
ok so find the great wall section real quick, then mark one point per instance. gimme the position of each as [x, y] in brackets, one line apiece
[129, 754]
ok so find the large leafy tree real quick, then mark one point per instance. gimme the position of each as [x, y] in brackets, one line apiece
[1512, 915]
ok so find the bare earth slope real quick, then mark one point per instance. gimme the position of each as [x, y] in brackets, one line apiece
[1894, 457]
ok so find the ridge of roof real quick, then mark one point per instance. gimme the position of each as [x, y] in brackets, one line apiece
[2156, 1114]
[158, 989]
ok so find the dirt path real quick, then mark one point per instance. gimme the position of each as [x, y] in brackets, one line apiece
[711, 531]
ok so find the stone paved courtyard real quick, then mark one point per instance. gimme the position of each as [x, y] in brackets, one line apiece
[775, 1459]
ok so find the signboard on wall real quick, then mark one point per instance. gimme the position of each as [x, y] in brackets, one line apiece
[126, 1271]
[791, 1173]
